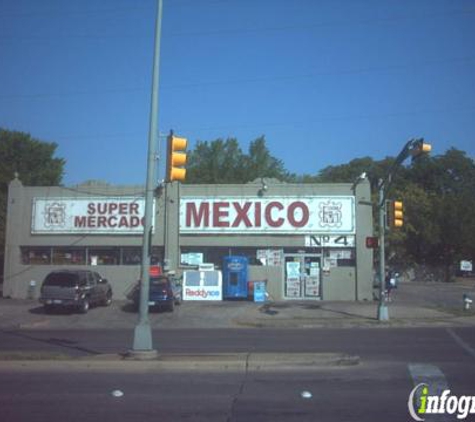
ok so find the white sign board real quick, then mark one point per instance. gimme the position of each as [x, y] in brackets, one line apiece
[269, 215]
[328, 241]
[202, 285]
[466, 266]
[101, 215]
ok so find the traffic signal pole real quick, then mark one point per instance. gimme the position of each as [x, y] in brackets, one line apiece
[414, 147]
[142, 346]
[383, 314]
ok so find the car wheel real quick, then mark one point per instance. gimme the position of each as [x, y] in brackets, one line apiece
[108, 299]
[84, 307]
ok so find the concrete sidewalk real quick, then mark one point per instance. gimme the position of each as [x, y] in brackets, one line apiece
[221, 362]
[413, 304]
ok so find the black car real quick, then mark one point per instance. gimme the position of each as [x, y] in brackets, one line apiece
[75, 289]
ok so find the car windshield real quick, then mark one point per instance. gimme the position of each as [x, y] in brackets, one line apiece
[160, 281]
[61, 279]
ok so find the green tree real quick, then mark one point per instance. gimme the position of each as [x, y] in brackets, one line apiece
[222, 161]
[33, 161]
[439, 197]
[348, 173]
[217, 161]
[260, 163]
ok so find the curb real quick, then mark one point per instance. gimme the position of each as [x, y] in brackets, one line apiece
[222, 362]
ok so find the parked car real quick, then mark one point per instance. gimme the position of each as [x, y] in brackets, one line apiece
[165, 293]
[75, 289]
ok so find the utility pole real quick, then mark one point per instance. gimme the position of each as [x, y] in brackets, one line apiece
[142, 346]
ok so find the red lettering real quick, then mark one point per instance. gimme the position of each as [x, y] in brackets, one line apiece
[242, 214]
[270, 221]
[197, 218]
[113, 207]
[291, 214]
[134, 208]
[123, 222]
[101, 208]
[219, 213]
[79, 221]
[91, 209]
[257, 214]
[123, 208]
[102, 221]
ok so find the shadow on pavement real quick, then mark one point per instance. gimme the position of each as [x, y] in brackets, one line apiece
[52, 341]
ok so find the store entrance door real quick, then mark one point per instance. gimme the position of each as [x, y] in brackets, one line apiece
[302, 276]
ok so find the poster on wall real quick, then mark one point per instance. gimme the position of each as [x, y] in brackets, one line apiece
[270, 257]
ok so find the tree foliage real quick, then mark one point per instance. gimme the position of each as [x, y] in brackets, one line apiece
[223, 161]
[438, 193]
[33, 161]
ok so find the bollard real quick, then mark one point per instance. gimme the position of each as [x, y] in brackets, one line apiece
[31, 290]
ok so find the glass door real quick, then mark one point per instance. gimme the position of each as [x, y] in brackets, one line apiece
[302, 276]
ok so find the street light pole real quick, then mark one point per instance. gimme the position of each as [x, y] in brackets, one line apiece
[143, 333]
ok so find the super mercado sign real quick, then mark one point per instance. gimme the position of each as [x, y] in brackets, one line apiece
[271, 215]
[121, 215]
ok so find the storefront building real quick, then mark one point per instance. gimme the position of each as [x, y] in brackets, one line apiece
[306, 241]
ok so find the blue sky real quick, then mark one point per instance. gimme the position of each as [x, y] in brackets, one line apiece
[326, 81]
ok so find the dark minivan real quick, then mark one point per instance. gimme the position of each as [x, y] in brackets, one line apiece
[75, 289]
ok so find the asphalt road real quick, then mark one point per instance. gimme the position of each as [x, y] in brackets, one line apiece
[376, 389]
[386, 344]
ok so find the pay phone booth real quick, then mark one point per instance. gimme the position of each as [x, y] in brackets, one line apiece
[235, 277]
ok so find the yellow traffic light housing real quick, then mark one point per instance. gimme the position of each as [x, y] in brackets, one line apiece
[176, 158]
[397, 214]
[420, 147]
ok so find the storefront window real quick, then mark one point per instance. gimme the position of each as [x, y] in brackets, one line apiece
[69, 256]
[131, 256]
[65, 255]
[36, 256]
[104, 256]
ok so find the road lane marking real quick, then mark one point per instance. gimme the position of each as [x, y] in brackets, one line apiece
[461, 343]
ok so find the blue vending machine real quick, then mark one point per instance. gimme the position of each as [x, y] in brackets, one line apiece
[235, 277]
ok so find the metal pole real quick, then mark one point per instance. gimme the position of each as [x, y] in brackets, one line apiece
[383, 314]
[143, 332]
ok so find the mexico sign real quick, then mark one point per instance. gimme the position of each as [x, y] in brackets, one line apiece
[271, 215]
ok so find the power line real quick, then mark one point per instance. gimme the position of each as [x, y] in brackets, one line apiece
[59, 13]
[305, 27]
[233, 31]
[259, 79]
[294, 124]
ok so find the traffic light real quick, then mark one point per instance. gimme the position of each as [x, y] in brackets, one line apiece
[397, 214]
[176, 158]
[372, 242]
[420, 147]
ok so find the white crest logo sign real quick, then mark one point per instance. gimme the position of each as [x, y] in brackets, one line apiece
[55, 215]
[331, 214]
